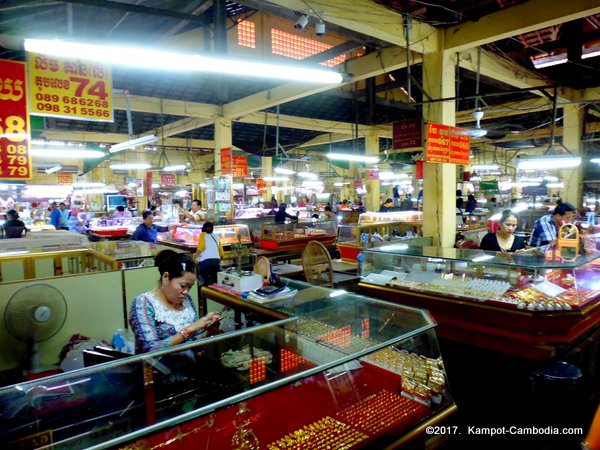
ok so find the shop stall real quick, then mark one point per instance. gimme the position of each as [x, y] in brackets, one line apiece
[323, 369]
[533, 305]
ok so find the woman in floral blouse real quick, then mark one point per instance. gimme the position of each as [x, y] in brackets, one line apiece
[166, 316]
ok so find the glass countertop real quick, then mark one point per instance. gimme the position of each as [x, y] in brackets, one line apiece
[535, 258]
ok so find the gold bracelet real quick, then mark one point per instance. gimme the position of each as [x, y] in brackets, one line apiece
[185, 333]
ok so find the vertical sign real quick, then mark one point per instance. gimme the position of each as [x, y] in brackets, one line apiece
[226, 166]
[149, 184]
[70, 87]
[407, 133]
[447, 144]
[15, 162]
[240, 166]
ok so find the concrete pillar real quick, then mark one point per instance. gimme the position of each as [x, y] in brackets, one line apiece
[223, 139]
[572, 131]
[373, 186]
[439, 180]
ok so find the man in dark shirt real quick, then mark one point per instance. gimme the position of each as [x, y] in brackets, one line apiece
[386, 205]
[147, 231]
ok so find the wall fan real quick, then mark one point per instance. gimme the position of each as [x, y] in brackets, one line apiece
[34, 314]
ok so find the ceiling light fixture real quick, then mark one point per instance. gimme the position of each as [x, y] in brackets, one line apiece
[302, 22]
[145, 58]
[53, 169]
[485, 167]
[595, 160]
[128, 166]
[175, 168]
[284, 171]
[66, 153]
[132, 143]
[276, 178]
[309, 175]
[544, 162]
[352, 157]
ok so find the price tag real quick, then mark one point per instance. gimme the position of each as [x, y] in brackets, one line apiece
[69, 87]
[15, 162]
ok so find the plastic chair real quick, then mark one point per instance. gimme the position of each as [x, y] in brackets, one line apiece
[262, 267]
[317, 265]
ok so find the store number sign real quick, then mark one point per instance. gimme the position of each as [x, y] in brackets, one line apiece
[70, 87]
[15, 162]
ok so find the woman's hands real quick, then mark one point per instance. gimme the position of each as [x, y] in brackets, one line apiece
[206, 321]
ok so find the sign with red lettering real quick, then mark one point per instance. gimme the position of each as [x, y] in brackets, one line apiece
[149, 192]
[64, 178]
[70, 87]
[226, 162]
[15, 161]
[240, 166]
[447, 144]
[167, 179]
[407, 133]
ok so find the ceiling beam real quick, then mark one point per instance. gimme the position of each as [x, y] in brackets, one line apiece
[381, 61]
[303, 123]
[327, 138]
[154, 105]
[506, 110]
[369, 18]
[180, 126]
[528, 16]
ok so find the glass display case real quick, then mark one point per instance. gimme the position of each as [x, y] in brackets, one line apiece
[280, 236]
[536, 280]
[129, 254]
[353, 237]
[534, 304]
[110, 227]
[415, 217]
[335, 369]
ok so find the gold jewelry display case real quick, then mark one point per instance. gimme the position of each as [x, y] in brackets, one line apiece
[534, 304]
[295, 235]
[329, 368]
[185, 237]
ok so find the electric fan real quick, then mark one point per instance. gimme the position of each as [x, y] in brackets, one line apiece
[34, 314]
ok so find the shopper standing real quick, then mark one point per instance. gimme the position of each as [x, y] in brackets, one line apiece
[208, 255]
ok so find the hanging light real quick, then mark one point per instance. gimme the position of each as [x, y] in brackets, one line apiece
[545, 162]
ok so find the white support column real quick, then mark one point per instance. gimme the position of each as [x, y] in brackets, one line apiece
[223, 139]
[572, 130]
[439, 180]
[373, 186]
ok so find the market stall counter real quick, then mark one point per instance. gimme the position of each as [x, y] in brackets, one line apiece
[329, 368]
[533, 305]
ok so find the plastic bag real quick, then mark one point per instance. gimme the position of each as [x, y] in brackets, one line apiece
[124, 341]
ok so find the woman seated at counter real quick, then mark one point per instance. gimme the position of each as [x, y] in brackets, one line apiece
[504, 240]
[166, 316]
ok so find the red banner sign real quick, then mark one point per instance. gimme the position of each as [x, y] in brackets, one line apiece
[167, 179]
[15, 162]
[240, 166]
[447, 144]
[407, 133]
[70, 87]
[226, 164]
[149, 192]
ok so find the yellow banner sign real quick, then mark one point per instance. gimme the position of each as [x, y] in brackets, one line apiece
[70, 87]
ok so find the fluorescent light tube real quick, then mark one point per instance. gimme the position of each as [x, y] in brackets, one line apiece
[485, 167]
[284, 171]
[175, 167]
[127, 166]
[133, 143]
[146, 58]
[595, 160]
[309, 175]
[352, 157]
[53, 169]
[276, 178]
[542, 162]
[66, 153]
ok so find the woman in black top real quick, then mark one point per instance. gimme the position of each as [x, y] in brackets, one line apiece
[504, 239]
